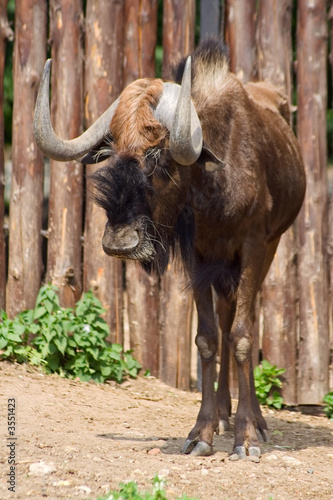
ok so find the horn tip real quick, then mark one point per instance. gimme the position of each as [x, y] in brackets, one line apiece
[47, 67]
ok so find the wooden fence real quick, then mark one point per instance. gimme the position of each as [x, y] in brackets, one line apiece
[96, 51]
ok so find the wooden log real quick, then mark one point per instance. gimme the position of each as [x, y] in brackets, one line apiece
[274, 43]
[279, 291]
[240, 35]
[5, 34]
[140, 39]
[330, 262]
[142, 290]
[209, 18]
[312, 258]
[66, 193]
[330, 225]
[143, 308]
[176, 304]
[178, 31]
[26, 200]
[103, 84]
[175, 318]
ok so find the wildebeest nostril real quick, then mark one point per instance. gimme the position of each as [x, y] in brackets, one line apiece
[120, 241]
[129, 240]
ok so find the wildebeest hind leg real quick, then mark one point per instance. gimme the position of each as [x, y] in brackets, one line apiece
[248, 420]
[226, 312]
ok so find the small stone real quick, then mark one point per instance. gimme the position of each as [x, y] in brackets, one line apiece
[310, 471]
[217, 470]
[61, 483]
[126, 384]
[41, 468]
[83, 489]
[204, 472]
[234, 457]
[163, 473]
[70, 449]
[253, 458]
[291, 460]
[138, 472]
[154, 451]
[271, 457]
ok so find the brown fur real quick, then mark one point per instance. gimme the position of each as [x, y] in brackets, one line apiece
[270, 97]
[133, 127]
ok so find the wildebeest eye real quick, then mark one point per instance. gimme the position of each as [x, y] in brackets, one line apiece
[152, 160]
[156, 160]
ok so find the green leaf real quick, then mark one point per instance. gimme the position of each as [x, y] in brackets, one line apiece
[14, 336]
[106, 371]
[39, 312]
[115, 355]
[94, 351]
[53, 362]
[3, 342]
[48, 305]
[61, 344]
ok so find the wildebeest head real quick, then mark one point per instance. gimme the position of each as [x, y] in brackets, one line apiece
[151, 133]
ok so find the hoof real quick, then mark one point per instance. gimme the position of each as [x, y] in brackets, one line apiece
[240, 453]
[197, 449]
[254, 451]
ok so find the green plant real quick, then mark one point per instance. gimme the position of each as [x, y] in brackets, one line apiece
[129, 491]
[14, 335]
[68, 342]
[266, 378]
[328, 399]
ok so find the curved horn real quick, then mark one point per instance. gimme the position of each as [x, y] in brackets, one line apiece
[176, 111]
[45, 137]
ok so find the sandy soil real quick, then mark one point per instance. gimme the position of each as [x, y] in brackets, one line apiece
[79, 440]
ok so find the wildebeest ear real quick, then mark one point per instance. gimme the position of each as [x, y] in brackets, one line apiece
[101, 152]
[209, 161]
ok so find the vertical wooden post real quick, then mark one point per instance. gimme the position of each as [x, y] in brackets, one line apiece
[178, 31]
[209, 18]
[240, 35]
[330, 224]
[65, 205]
[279, 291]
[142, 290]
[103, 83]
[312, 267]
[140, 39]
[143, 308]
[25, 257]
[176, 304]
[175, 330]
[330, 295]
[274, 43]
[5, 33]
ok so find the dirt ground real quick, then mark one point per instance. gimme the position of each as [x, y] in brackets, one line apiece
[79, 440]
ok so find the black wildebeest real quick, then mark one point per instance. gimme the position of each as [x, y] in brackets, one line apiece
[207, 170]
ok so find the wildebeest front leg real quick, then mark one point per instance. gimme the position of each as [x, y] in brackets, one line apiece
[200, 439]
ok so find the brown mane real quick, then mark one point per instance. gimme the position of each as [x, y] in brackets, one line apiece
[134, 128]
